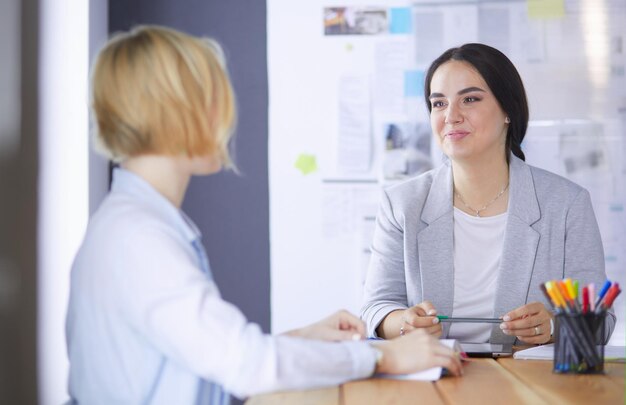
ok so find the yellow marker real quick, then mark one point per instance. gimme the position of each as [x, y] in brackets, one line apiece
[557, 295]
[553, 297]
[576, 289]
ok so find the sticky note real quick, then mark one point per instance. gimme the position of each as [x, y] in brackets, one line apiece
[306, 164]
[413, 83]
[545, 8]
[400, 21]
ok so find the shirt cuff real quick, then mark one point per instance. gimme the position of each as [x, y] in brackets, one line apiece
[363, 359]
[380, 315]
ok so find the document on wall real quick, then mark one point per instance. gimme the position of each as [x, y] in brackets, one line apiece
[391, 61]
[432, 374]
[355, 143]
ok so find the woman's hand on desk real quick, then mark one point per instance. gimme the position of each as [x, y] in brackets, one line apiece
[416, 351]
[342, 325]
[530, 323]
[420, 316]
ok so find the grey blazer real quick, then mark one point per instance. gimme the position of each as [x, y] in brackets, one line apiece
[551, 233]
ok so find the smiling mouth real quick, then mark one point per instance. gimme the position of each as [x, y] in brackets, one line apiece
[455, 135]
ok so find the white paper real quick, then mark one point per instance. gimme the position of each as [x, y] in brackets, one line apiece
[345, 204]
[546, 352]
[355, 140]
[391, 61]
[432, 374]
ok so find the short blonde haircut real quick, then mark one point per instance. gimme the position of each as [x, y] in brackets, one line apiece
[159, 91]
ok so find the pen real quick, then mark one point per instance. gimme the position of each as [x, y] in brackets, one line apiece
[608, 299]
[585, 300]
[569, 285]
[444, 318]
[592, 297]
[602, 293]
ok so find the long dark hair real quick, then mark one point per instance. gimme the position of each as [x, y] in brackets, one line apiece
[504, 81]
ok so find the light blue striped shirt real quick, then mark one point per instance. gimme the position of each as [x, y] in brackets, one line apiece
[146, 323]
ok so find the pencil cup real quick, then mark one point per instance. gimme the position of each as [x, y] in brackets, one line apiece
[578, 346]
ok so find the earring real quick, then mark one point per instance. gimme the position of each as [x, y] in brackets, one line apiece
[507, 120]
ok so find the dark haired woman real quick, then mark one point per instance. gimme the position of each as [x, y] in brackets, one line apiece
[477, 236]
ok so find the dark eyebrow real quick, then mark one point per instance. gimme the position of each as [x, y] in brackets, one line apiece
[469, 90]
[464, 91]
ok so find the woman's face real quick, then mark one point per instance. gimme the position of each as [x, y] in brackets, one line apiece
[466, 118]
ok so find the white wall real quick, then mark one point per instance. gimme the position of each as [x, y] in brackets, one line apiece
[573, 66]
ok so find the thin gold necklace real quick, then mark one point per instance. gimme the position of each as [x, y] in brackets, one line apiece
[475, 211]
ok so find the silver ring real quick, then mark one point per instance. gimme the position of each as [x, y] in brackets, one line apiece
[536, 330]
[401, 330]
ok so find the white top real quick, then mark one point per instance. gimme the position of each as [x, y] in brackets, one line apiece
[146, 325]
[478, 245]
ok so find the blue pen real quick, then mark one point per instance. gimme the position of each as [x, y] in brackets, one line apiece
[602, 292]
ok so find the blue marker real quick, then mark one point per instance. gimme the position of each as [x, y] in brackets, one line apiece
[602, 293]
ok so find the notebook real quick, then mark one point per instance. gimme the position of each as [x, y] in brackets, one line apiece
[546, 352]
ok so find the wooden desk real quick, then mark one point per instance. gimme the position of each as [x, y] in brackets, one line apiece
[485, 381]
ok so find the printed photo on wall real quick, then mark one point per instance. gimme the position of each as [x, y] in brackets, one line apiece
[355, 21]
[406, 151]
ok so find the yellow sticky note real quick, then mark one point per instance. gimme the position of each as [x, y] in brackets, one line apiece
[306, 164]
[546, 8]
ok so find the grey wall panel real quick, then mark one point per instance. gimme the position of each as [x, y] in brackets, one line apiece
[232, 211]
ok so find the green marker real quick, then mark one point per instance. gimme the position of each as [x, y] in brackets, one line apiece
[444, 318]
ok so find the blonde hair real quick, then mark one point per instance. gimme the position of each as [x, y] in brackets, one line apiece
[159, 91]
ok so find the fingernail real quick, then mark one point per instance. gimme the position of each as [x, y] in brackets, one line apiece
[506, 331]
[356, 336]
[435, 321]
[432, 312]
[502, 326]
[506, 318]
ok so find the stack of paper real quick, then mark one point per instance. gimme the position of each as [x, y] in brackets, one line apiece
[432, 374]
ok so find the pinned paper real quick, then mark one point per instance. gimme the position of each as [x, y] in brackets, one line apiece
[413, 83]
[546, 8]
[400, 21]
[306, 164]
[354, 146]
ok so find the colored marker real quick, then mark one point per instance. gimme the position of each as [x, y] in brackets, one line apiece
[592, 297]
[602, 292]
[444, 318]
[585, 300]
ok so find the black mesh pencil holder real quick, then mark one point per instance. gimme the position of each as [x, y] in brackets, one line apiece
[579, 343]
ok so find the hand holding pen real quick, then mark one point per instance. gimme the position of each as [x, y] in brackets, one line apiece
[530, 323]
[421, 316]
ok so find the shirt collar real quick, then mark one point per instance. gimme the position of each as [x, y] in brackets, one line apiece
[127, 182]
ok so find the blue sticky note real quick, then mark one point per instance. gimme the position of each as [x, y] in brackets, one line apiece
[413, 83]
[400, 21]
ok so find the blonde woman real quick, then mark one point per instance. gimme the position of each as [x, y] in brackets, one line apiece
[146, 323]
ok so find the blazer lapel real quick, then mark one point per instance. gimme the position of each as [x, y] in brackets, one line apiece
[520, 245]
[435, 245]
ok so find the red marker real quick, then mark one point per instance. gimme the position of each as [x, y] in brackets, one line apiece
[610, 296]
[585, 300]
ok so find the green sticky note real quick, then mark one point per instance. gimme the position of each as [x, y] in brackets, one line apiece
[306, 164]
[546, 8]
